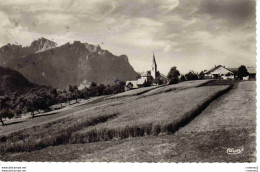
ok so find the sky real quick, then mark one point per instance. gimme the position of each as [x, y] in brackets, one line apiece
[189, 34]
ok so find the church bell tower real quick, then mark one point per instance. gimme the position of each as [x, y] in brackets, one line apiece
[154, 68]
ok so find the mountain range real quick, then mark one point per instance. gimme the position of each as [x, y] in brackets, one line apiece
[45, 63]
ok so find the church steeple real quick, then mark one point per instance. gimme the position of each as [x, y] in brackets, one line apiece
[154, 67]
[154, 62]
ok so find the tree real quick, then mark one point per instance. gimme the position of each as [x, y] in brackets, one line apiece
[158, 80]
[6, 113]
[201, 75]
[191, 76]
[173, 75]
[108, 90]
[77, 94]
[44, 99]
[54, 94]
[74, 92]
[242, 72]
[5, 109]
[101, 89]
[68, 96]
[118, 88]
[182, 78]
[71, 89]
[93, 84]
[20, 105]
[93, 91]
[31, 103]
[61, 98]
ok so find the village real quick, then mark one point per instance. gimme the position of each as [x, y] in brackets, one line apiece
[219, 72]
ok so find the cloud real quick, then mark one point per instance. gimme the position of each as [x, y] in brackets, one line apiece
[235, 12]
[189, 34]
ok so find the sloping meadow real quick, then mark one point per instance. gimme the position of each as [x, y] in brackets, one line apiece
[159, 114]
[136, 117]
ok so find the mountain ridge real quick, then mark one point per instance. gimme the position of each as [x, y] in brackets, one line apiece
[13, 51]
[69, 64]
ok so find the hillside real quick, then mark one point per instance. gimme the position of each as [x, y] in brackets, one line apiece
[138, 128]
[69, 64]
[11, 81]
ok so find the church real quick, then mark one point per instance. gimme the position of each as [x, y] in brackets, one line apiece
[147, 78]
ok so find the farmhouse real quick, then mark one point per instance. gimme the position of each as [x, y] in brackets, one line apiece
[219, 72]
[251, 74]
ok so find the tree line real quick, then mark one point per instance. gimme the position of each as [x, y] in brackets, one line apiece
[174, 75]
[41, 99]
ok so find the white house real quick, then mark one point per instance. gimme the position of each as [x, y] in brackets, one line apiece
[219, 72]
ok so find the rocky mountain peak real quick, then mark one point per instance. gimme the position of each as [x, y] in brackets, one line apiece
[123, 56]
[42, 44]
[92, 48]
[68, 64]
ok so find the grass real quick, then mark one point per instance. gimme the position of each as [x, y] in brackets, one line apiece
[159, 114]
[206, 146]
[135, 92]
[177, 87]
[29, 140]
[128, 119]
[27, 122]
[228, 122]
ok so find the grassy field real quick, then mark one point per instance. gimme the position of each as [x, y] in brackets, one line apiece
[205, 138]
[27, 121]
[158, 114]
[135, 92]
[176, 87]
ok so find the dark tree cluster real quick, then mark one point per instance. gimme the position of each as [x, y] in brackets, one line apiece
[173, 75]
[242, 72]
[37, 99]
[191, 76]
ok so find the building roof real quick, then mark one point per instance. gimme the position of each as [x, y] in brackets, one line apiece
[233, 69]
[141, 81]
[163, 76]
[133, 82]
[251, 70]
[216, 67]
[147, 73]
[154, 62]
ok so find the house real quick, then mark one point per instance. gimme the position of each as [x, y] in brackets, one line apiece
[251, 73]
[219, 72]
[130, 85]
